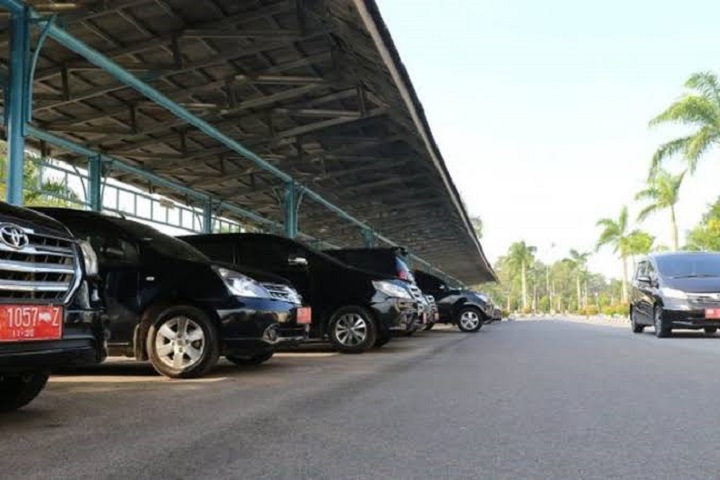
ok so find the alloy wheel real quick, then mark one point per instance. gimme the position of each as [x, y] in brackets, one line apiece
[351, 329]
[469, 320]
[180, 343]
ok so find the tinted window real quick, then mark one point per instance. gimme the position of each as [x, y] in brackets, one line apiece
[641, 270]
[159, 242]
[377, 262]
[262, 253]
[693, 265]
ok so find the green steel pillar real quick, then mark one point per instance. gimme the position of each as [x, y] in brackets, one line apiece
[95, 183]
[16, 104]
[208, 217]
[368, 238]
[290, 206]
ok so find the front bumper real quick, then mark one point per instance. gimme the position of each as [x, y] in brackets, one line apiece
[82, 343]
[258, 325]
[691, 319]
[395, 314]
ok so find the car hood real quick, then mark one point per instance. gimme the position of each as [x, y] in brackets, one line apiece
[33, 220]
[694, 285]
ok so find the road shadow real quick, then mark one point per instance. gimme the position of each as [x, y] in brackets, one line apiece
[686, 334]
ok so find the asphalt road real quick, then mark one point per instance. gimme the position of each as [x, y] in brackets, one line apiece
[528, 399]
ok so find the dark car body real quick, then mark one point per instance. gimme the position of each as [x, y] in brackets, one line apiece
[452, 301]
[145, 272]
[679, 290]
[389, 262]
[324, 282]
[43, 268]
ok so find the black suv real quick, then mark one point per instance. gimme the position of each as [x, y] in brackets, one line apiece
[676, 290]
[462, 307]
[170, 304]
[50, 312]
[391, 262]
[354, 308]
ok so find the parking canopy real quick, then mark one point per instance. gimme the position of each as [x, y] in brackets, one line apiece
[308, 93]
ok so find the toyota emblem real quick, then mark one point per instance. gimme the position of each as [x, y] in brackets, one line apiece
[13, 236]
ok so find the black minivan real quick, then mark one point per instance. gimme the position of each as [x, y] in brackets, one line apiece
[679, 290]
[353, 308]
[459, 306]
[390, 261]
[170, 304]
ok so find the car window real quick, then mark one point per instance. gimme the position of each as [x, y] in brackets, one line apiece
[641, 270]
[262, 253]
[159, 242]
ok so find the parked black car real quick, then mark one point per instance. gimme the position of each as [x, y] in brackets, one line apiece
[170, 304]
[390, 262]
[50, 309]
[353, 308]
[464, 308]
[676, 291]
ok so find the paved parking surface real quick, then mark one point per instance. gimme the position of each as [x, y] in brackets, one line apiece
[527, 399]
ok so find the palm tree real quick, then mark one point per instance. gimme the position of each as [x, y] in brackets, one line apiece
[662, 193]
[698, 108]
[615, 235]
[639, 243]
[520, 257]
[578, 262]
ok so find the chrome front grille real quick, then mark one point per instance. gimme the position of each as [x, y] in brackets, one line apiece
[282, 292]
[431, 301]
[41, 271]
[704, 300]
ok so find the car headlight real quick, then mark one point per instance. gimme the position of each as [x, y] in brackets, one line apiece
[89, 257]
[241, 285]
[674, 294]
[293, 296]
[392, 290]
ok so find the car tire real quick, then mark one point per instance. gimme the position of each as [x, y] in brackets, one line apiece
[662, 329]
[710, 330]
[634, 326]
[469, 320]
[183, 343]
[254, 360]
[16, 391]
[352, 330]
[429, 326]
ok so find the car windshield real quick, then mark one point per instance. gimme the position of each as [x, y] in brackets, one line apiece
[689, 266]
[158, 241]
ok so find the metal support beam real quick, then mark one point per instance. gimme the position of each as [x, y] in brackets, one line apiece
[19, 92]
[95, 183]
[290, 208]
[368, 238]
[208, 217]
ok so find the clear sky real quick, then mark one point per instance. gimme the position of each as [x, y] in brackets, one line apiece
[540, 108]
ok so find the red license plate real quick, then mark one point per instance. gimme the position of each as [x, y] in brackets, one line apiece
[22, 323]
[304, 315]
[712, 313]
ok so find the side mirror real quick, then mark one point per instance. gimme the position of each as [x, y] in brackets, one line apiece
[295, 260]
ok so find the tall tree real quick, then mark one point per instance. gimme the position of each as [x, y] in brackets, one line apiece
[38, 191]
[520, 257]
[662, 193]
[578, 263]
[699, 109]
[615, 235]
[639, 243]
[706, 235]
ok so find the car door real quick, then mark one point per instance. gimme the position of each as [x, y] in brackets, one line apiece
[118, 260]
[641, 288]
